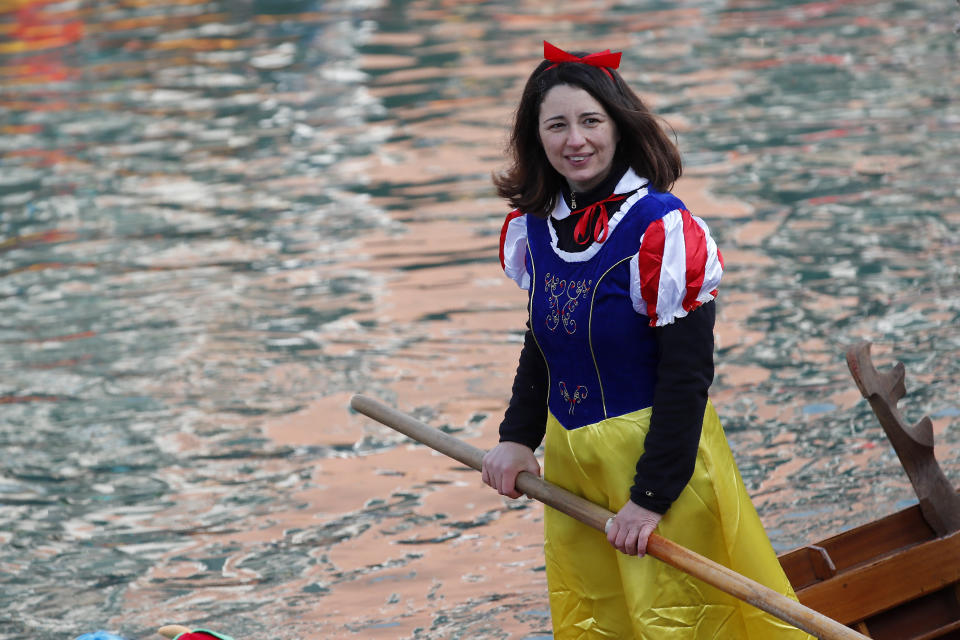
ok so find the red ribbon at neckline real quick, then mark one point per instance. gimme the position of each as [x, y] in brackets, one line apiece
[597, 215]
[603, 60]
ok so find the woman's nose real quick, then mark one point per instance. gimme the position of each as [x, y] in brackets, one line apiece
[575, 137]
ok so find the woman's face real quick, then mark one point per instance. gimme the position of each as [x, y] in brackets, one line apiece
[577, 135]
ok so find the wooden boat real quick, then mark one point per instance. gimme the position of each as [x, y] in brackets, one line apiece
[897, 578]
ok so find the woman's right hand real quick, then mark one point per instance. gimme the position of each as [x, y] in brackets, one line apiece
[503, 463]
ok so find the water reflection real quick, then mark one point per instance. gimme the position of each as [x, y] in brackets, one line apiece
[218, 220]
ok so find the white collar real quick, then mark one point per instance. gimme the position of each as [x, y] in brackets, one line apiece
[629, 182]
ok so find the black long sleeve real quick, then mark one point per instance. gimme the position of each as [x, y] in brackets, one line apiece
[525, 420]
[684, 376]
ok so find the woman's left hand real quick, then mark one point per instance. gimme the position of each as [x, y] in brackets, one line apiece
[631, 528]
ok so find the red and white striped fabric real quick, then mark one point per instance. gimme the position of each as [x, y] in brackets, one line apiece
[677, 268]
[513, 248]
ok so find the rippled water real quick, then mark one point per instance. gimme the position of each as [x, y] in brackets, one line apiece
[220, 219]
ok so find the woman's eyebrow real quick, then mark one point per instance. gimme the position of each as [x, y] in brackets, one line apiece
[584, 114]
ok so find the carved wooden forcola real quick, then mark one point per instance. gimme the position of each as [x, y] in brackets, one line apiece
[939, 501]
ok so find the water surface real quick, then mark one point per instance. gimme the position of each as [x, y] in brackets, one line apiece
[219, 219]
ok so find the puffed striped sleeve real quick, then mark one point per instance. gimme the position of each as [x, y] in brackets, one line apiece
[677, 269]
[513, 249]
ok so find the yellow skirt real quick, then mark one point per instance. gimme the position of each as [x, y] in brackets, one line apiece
[598, 592]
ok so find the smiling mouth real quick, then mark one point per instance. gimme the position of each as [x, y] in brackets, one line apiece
[577, 158]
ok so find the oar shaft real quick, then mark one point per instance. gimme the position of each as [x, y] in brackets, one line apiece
[596, 516]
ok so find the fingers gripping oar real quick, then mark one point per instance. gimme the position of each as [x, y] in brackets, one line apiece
[596, 516]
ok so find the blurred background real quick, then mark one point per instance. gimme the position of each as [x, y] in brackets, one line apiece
[220, 219]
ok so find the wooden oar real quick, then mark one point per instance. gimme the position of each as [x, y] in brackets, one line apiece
[596, 516]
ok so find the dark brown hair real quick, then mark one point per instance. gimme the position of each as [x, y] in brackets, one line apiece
[531, 184]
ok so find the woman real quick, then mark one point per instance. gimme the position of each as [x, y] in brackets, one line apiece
[616, 364]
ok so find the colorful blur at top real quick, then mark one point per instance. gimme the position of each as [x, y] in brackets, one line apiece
[220, 219]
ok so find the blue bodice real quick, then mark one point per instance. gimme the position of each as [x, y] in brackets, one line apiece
[601, 354]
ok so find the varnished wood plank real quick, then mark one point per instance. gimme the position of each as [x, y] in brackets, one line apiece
[863, 544]
[940, 632]
[856, 594]
[920, 616]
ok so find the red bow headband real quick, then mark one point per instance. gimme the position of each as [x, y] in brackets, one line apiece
[604, 60]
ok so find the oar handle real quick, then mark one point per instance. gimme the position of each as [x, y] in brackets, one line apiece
[596, 516]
